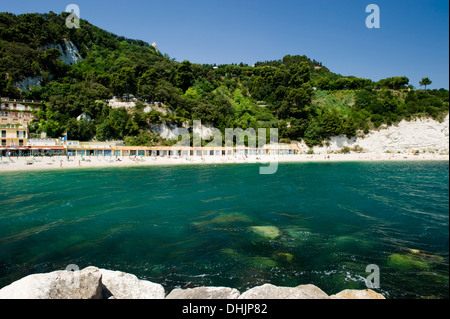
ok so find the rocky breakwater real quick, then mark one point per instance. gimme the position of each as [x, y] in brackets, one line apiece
[95, 283]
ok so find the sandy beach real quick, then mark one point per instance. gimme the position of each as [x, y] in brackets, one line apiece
[62, 162]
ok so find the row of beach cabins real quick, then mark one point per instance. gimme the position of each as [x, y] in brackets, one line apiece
[109, 149]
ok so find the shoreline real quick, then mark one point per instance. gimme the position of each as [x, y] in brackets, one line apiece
[109, 284]
[23, 164]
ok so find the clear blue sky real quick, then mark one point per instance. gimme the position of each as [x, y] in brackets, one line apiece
[413, 40]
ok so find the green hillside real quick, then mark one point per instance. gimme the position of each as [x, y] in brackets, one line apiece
[297, 95]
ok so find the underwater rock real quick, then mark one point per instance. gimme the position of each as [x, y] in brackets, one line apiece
[284, 257]
[413, 259]
[270, 232]
[406, 262]
[251, 261]
[260, 262]
[429, 257]
[352, 241]
[224, 220]
[298, 233]
[230, 253]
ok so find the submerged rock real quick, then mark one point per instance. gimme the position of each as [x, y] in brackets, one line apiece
[284, 257]
[250, 261]
[406, 262]
[413, 259]
[226, 219]
[298, 233]
[352, 241]
[270, 232]
[429, 257]
[230, 252]
[260, 262]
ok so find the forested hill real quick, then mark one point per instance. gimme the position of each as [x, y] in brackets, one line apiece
[297, 95]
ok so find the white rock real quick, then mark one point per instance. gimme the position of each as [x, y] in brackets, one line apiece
[269, 291]
[204, 293]
[84, 284]
[358, 294]
[126, 286]
[27, 83]
[165, 130]
[69, 55]
[420, 134]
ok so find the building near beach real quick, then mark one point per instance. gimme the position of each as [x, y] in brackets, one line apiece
[17, 111]
[118, 149]
[15, 116]
[13, 135]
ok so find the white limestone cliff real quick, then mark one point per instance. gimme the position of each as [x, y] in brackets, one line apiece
[424, 135]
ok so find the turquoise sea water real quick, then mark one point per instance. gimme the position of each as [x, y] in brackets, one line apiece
[188, 226]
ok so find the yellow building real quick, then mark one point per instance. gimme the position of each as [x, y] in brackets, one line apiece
[13, 135]
[15, 116]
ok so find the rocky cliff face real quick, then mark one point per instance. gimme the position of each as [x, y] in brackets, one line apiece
[94, 283]
[424, 135]
[69, 55]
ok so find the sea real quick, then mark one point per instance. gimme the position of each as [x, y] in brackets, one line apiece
[337, 225]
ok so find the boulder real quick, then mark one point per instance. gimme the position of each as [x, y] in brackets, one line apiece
[270, 232]
[358, 294]
[120, 285]
[269, 291]
[204, 293]
[84, 284]
[94, 283]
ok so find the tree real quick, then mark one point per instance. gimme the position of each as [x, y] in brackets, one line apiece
[349, 127]
[313, 134]
[184, 76]
[331, 123]
[394, 83]
[300, 74]
[124, 82]
[425, 82]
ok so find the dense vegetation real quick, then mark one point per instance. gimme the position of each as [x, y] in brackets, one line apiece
[299, 96]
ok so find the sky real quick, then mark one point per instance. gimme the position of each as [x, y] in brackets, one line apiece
[412, 41]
